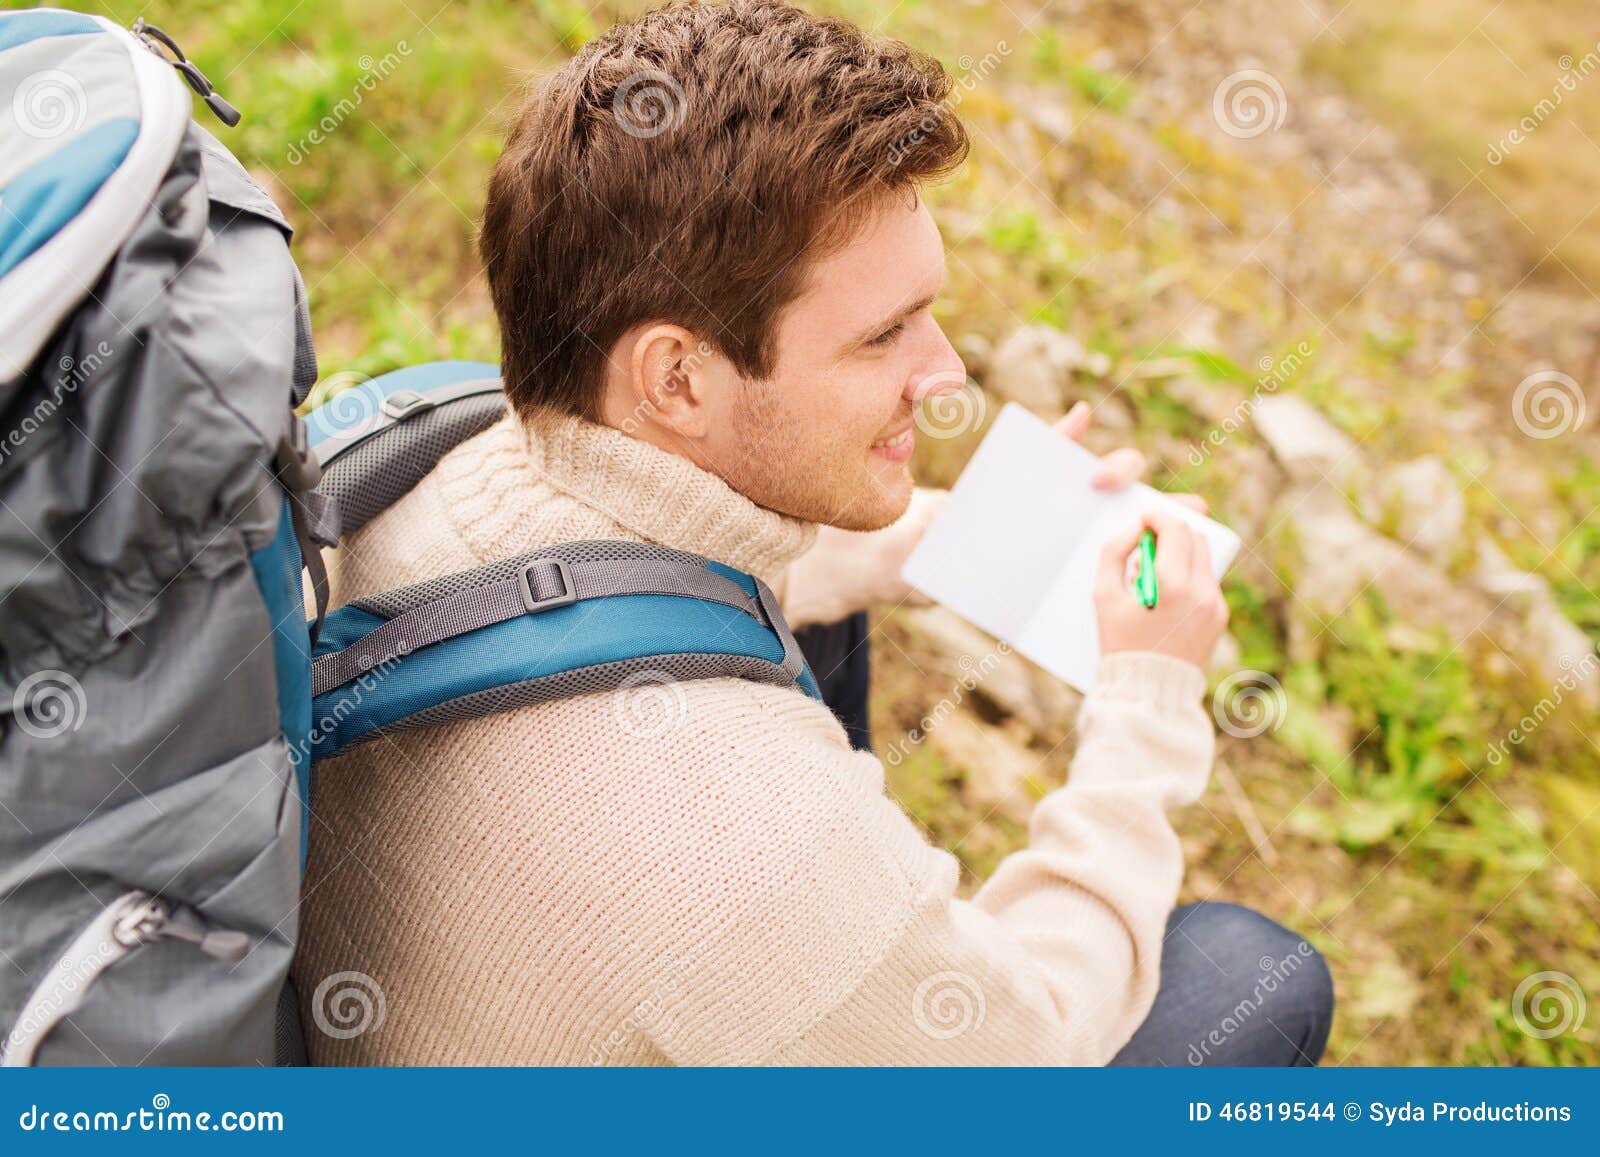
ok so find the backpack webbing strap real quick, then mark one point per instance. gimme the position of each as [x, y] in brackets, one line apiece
[314, 518]
[542, 583]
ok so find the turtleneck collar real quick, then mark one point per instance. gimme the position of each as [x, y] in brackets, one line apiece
[648, 493]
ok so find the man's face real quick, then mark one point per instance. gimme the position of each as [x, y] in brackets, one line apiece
[828, 437]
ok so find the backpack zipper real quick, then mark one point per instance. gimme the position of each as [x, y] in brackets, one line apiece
[123, 926]
[155, 39]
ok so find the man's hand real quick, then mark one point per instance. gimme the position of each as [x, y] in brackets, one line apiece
[1121, 467]
[1190, 614]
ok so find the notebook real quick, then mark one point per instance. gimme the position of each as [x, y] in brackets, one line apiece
[1016, 548]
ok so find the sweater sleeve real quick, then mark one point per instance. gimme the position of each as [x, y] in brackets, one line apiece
[856, 949]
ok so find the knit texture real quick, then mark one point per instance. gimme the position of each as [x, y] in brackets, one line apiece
[704, 872]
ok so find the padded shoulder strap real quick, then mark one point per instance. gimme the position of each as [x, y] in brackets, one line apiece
[571, 619]
[377, 440]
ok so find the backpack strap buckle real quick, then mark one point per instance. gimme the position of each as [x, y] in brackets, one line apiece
[403, 404]
[546, 584]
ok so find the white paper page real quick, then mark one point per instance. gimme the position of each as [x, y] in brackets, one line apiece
[1063, 635]
[1016, 548]
[1007, 529]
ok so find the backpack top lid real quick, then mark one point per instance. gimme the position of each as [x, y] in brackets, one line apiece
[90, 121]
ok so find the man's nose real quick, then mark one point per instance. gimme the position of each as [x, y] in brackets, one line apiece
[943, 373]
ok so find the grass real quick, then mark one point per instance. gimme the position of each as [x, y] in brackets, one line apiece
[1433, 880]
[1459, 76]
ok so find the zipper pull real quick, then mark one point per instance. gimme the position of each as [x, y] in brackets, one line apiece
[217, 943]
[155, 39]
[150, 918]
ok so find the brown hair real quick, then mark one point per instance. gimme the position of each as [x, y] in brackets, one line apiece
[678, 167]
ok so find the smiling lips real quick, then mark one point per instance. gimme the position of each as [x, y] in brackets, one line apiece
[897, 447]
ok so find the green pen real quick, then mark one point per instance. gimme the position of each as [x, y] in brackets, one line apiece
[1145, 582]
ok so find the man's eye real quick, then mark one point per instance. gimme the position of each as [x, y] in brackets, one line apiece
[888, 335]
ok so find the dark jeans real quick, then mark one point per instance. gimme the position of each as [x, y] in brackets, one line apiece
[1236, 988]
[837, 656]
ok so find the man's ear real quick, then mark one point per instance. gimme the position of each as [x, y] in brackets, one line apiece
[661, 388]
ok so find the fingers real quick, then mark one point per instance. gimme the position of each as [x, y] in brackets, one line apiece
[1119, 468]
[1200, 568]
[1175, 549]
[1076, 423]
[1193, 501]
[1112, 573]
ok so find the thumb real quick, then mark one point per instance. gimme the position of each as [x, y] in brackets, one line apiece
[1113, 570]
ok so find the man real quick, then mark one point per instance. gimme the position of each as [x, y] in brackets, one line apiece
[713, 276]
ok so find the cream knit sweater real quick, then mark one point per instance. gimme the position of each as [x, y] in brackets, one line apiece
[728, 884]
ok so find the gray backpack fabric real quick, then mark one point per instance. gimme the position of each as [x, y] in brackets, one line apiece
[162, 696]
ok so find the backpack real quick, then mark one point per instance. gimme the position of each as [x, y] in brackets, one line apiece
[163, 697]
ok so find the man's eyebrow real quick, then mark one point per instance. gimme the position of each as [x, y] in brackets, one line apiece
[889, 323]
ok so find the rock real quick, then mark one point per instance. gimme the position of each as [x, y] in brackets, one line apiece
[1309, 447]
[1113, 412]
[1201, 328]
[1427, 507]
[1254, 479]
[1343, 555]
[1498, 577]
[1053, 120]
[1561, 647]
[994, 767]
[1032, 366]
[1555, 642]
[1043, 703]
[1441, 240]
